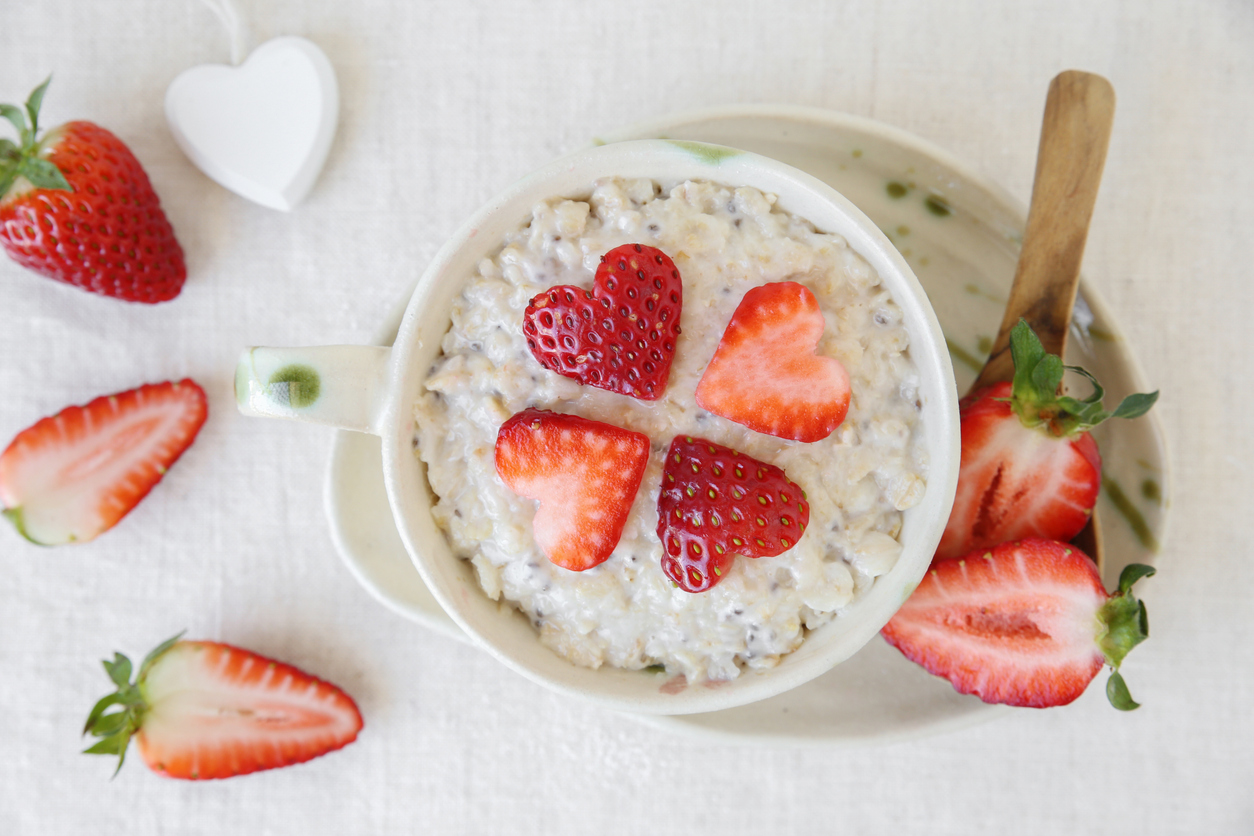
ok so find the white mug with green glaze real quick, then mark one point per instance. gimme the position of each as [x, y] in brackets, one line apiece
[373, 389]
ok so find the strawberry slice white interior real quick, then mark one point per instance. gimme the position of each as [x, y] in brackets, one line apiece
[74, 475]
[585, 475]
[216, 711]
[576, 488]
[765, 374]
[1019, 629]
[1017, 481]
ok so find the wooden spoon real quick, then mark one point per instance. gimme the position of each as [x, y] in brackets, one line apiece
[1075, 132]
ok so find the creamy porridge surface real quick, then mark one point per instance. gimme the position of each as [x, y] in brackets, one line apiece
[626, 612]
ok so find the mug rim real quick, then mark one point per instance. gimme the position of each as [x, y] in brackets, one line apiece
[451, 579]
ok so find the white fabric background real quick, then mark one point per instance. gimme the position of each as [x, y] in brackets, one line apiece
[443, 105]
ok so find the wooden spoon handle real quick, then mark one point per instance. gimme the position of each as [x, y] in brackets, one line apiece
[1075, 132]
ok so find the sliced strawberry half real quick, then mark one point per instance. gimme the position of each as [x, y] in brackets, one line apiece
[1027, 623]
[619, 336]
[585, 475]
[765, 374]
[716, 503]
[1029, 467]
[202, 710]
[1016, 481]
[72, 476]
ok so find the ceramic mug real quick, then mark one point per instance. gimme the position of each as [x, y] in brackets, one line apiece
[373, 389]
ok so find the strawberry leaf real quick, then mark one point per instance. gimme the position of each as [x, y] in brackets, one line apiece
[1027, 353]
[115, 728]
[1025, 347]
[1046, 377]
[1035, 388]
[119, 670]
[1118, 694]
[112, 745]
[1132, 573]
[1126, 625]
[43, 174]
[10, 159]
[98, 710]
[1094, 398]
[1135, 405]
[22, 159]
[8, 174]
[17, 117]
[110, 724]
[34, 102]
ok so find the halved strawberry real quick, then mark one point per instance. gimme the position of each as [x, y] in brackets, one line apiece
[585, 475]
[1027, 623]
[716, 503]
[765, 374]
[1029, 466]
[620, 336]
[201, 710]
[72, 476]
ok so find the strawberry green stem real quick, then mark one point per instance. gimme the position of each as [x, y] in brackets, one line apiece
[1124, 625]
[116, 727]
[1035, 390]
[24, 160]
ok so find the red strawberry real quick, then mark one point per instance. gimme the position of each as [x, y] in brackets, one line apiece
[765, 374]
[1029, 466]
[619, 337]
[76, 206]
[71, 477]
[1027, 623]
[203, 710]
[716, 503]
[585, 475]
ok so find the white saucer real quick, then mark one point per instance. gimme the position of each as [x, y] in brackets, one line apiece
[960, 234]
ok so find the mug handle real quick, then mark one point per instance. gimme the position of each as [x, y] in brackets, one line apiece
[340, 386]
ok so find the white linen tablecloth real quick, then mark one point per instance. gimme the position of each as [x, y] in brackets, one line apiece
[443, 105]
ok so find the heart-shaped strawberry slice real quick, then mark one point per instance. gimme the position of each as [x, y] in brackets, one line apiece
[765, 374]
[620, 336]
[716, 503]
[585, 475]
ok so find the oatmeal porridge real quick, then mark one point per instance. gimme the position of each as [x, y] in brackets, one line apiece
[626, 612]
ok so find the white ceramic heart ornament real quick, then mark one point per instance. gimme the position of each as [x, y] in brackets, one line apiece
[261, 129]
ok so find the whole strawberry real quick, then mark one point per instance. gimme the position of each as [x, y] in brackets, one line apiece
[76, 206]
[1029, 466]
